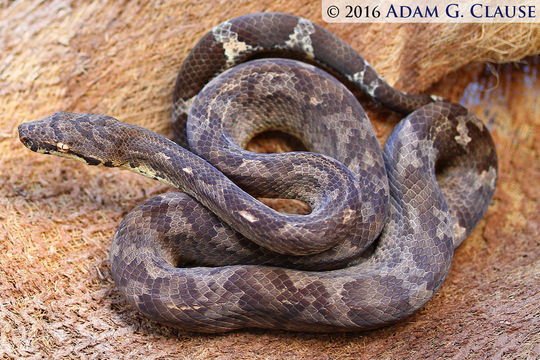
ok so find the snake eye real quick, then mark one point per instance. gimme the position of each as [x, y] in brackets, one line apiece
[62, 147]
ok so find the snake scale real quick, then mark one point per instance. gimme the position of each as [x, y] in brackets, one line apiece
[383, 226]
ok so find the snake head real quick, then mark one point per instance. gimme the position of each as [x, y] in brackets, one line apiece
[71, 135]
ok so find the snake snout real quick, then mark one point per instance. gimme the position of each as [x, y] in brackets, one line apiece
[23, 135]
[33, 138]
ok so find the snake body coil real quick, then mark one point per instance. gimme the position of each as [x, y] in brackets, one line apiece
[379, 240]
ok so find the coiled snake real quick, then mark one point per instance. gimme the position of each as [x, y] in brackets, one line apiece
[379, 240]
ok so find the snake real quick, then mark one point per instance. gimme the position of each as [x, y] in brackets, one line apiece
[383, 224]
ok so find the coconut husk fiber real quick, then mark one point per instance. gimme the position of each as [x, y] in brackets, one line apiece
[57, 217]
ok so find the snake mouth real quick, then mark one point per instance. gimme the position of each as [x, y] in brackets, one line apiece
[31, 143]
[26, 141]
[22, 136]
[25, 138]
[26, 132]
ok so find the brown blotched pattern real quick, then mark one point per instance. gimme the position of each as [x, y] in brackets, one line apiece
[178, 260]
[278, 35]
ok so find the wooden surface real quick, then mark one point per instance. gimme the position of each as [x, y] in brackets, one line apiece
[57, 217]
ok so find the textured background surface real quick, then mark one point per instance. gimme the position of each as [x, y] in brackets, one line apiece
[57, 217]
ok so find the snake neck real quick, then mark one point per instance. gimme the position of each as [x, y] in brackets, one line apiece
[159, 158]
